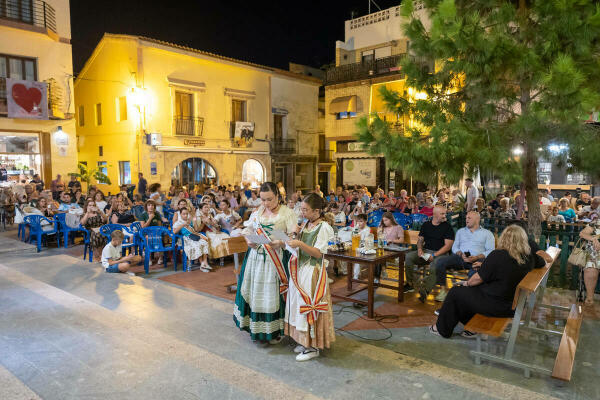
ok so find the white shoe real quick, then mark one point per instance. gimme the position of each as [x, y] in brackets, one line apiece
[299, 349]
[204, 269]
[330, 280]
[308, 354]
[206, 266]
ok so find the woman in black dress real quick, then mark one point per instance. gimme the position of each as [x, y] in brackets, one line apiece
[491, 290]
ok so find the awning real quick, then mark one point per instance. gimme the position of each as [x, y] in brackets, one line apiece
[342, 104]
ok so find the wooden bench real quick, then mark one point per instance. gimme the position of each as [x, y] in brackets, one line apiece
[235, 246]
[563, 365]
[528, 295]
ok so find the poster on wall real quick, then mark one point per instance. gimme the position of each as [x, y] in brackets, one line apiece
[27, 99]
[360, 171]
[153, 168]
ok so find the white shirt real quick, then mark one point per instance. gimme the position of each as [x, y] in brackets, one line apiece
[472, 195]
[101, 205]
[227, 220]
[110, 253]
[340, 218]
[253, 202]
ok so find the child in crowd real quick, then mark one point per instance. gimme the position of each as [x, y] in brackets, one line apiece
[360, 222]
[195, 244]
[555, 217]
[339, 218]
[112, 260]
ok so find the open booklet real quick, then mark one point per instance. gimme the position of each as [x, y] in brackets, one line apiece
[275, 235]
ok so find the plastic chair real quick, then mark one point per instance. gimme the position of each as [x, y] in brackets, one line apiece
[108, 229]
[65, 229]
[137, 211]
[184, 259]
[403, 220]
[35, 229]
[153, 243]
[135, 228]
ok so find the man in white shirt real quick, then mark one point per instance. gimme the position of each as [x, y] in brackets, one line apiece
[472, 194]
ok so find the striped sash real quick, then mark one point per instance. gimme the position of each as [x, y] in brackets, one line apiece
[316, 304]
[283, 280]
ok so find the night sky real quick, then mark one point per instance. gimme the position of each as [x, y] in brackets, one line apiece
[272, 33]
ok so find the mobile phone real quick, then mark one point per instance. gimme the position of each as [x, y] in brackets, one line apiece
[468, 253]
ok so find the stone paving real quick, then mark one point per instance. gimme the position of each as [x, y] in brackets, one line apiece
[70, 331]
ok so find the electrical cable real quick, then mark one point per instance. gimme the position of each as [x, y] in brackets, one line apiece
[379, 319]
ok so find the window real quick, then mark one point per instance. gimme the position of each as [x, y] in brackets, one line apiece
[367, 56]
[81, 116]
[21, 10]
[184, 114]
[278, 126]
[17, 67]
[124, 173]
[344, 115]
[238, 110]
[102, 167]
[100, 151]
[98, 114]
[121, 108]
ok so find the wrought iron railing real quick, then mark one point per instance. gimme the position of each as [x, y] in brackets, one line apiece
[188, 126]
[283, 146]
[366, 69]
[55, 99]
[32, 12]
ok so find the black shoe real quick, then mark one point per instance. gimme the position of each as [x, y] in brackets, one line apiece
[423, 295]
[408, 288]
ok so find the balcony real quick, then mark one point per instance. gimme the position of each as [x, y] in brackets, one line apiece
[55, 99]
[188, 126]
[37, 13]
[364, 70]
[326, 156]
[283, 146]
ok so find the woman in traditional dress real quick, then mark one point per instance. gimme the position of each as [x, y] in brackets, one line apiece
[308, 314]
[206, 224]
[194, 243]
[262, 282]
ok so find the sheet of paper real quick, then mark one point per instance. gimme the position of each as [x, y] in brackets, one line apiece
[279, 235]
[291, 250]
[257, 239]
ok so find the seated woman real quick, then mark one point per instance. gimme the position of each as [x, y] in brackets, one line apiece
[390, 230]
[591, 233]
[195, 244]
[482, 208]
[491, 290]
[206, 224]
[375, 203]
[411, 206]
[44, 208]
[339, 218]
[94, 218]
[152, 217]
[228, 219]
[564, 209]
[427, 209]
[504, 211]
[120, 214]
[180, 205]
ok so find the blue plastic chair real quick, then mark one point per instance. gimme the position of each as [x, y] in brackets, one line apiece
[375, 218]
[153, 243]
[129, 241]
[34, 222]
[403, 220]
[137, 211]
[184, 259]
[135, 228]
[66, 230]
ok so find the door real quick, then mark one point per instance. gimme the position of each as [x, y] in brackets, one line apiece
[324, 181]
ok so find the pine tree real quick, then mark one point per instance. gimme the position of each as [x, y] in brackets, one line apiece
[509, 74]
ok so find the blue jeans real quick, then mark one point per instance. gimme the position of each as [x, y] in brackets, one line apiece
[113, 268]
[409, 266]
[452, 261]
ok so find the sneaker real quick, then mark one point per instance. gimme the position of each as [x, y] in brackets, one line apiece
[408, 288]
[437, 312]
[204, 269]
[441, 296]
[433, 330]
[206, 266]
[308, 354]
[299, 349]
[276, 341]
[468, 334]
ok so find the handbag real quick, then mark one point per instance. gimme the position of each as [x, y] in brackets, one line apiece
[578, 256]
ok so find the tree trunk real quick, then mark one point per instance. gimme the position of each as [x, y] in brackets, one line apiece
[534, 216]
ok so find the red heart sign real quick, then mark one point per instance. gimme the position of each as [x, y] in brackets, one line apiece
[26, 98]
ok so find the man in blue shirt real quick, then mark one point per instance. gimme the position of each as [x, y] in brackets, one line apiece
[66, 203]
[471, 244]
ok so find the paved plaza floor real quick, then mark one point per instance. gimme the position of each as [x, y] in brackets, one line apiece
[70, 331]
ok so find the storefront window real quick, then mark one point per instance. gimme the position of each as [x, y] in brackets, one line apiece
[193, 171]
[253, 173]
[20, 154]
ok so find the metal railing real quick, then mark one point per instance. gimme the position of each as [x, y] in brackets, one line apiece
[55, 98]
[32, 12]
[325, 156]
[283, 146]
[365, 69]
[188, 126]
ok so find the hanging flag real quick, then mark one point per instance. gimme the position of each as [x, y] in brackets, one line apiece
[27, 99]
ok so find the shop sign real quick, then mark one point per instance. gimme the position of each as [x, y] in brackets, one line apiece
[194, 142]
[279, 111]
[360, 171]
[27, 99]
[356, 146]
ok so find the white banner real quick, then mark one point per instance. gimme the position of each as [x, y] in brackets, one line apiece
[27, 99]
[360, 171]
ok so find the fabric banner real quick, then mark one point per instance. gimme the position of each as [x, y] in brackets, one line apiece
[360, 171]
[27, 99]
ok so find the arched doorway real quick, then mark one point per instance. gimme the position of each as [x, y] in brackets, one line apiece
[194, 171]
[253, 173]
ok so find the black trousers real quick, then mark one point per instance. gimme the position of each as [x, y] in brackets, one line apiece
[463, 302]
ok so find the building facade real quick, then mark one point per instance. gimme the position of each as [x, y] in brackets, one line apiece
[186, 117]
[366, 60]
[37, 128]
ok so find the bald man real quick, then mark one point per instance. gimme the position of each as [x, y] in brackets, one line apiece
[434, 244]
[472, 244]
